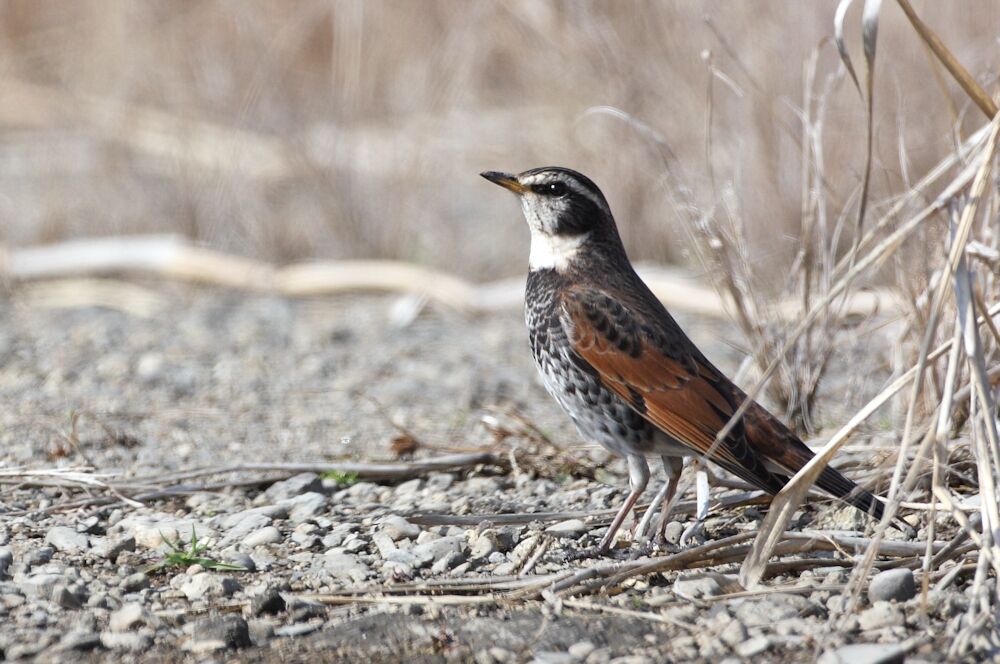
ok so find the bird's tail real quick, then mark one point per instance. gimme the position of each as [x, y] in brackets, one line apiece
[833, 481]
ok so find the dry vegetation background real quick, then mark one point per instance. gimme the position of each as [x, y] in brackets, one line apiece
[356, 128]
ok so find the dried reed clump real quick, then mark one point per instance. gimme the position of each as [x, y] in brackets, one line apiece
[945, 375]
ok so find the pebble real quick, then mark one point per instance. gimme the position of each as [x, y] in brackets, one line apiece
[134, 582]
[240, 559]
[440, 481]
[300, 610]
[344, 566]
[39, 586]
[893, 584]
[486, 544]
[354, 544]
[397, 571]
[581, 649]
[360, 492]
[91, 525]
[753, 646]
[266, 535]
[66, 598]
[304, 507]
[261, 631]
[67, 540]
[503, 655]
[208, 584]
[405, 559]
[272, 512]
[38, 557]
[697, 586]
[385, 544]
[149, 367]
[773, 609]
[523, 549]
[505, 569]
[293, 486]
[881, 614]
[449, 561]
[299, 629]
[127, 641]
[219, 632]
[482, 486]
[673, 531]
[269, 601]
[128, 617]
[397, 528]
[733, 633]
[110, 548]
[409, 488]
[79, 639]
[252, 522]
[865, 653]
[434, 550]
[151, 531]
[568, 529]
[6, 559]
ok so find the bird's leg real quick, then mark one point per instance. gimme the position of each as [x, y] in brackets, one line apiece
[647, 518]
[638, 474]
[701, 484]
[673, 468]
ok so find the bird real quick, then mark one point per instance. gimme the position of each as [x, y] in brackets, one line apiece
[624, 371]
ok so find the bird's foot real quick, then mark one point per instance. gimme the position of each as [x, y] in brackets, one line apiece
[693, 535]
[596, 553]
[655, 546]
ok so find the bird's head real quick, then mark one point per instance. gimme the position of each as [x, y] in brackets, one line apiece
[564, 209]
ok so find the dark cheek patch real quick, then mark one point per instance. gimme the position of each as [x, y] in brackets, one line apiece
[579, 216]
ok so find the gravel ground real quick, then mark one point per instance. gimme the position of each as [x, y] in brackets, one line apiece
[207, 377]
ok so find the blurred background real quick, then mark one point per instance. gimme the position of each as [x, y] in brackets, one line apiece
[357, 128]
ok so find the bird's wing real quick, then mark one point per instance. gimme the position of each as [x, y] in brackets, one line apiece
[650, 364]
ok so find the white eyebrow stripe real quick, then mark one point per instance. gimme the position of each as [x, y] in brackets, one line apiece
[573, 183]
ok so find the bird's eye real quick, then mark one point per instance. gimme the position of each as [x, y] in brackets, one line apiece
[556, 189]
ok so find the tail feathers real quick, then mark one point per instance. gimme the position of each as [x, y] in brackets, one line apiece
[832, 481]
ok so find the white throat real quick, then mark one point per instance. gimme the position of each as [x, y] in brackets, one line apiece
[553, 251]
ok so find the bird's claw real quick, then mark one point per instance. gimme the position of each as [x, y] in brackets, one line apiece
[696, 532]
[595, 552]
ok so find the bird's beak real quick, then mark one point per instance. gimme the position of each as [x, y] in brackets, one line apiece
[505, 180]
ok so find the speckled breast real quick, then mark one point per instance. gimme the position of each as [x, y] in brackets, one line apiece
[599, 414]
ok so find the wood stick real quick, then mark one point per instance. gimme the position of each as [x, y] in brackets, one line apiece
[171, 257]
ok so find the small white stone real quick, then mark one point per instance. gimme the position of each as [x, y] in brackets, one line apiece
[128, 616]
[753, 647]
[569, 529]
[399, 528]
[266, 535]
[67, 540]
[207, 584]
[581, 649]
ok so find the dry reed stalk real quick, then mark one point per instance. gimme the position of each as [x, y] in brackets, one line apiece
[168, 256]
[788, 500]
[137, 491]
